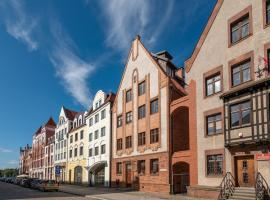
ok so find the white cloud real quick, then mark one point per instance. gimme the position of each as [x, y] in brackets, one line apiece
[125, 19]
[18, 23]
[4, 150]
[70, 68]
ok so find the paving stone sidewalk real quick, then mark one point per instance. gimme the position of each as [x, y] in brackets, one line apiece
[119, 194]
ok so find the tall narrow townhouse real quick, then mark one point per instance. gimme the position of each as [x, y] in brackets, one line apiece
[77, 151]
[25, 155]
[65, 124]
[98, 122]
[49, 158]
[230, 66]
[141, 136]
[40, 141]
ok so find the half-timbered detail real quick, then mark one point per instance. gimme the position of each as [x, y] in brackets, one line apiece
[230, 67]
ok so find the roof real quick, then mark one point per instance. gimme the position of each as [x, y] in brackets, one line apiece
[190, 61]
[50, 122]
[110, 97]
[70, 114]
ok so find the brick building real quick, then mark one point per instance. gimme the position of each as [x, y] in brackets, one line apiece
[141, 137]
[40, 140]
[25, 160]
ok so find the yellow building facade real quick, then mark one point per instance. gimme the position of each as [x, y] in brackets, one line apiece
[77, 172]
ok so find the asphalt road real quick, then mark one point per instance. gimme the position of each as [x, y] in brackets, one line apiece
[10, 191]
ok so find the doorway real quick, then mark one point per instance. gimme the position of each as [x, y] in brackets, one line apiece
[128, 174]
[244, 171]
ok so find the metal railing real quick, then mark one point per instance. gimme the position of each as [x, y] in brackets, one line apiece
[227, 186]
[261, 188]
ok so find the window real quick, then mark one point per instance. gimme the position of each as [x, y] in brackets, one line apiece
[141, 112]
[214, 124]
[96, 134]
[90, 152]
[154, 166]
[119, 168]
[240, 29]
[268, 12]
[103, 131]
[96, 118]
[65, 143]
[240, 114]
[96, 151]
[103, 149]
[90, 137]
[241, 73]
[119, 144]
[81, 150]
[154, 106]
[81, 135]
[76, 137]
[71, 139]
[141, 167]
[64, 155]
[128, 96]
[154, 136]
[141, 139]
[129, 117]
[103, 114]
[70, 153]
[128, 142]
[141, 88]
[213, 84]
[119, 121]
[215, 165]
[75, 152]
[90, 121]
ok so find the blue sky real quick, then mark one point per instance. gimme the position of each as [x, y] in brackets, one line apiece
[59, 52]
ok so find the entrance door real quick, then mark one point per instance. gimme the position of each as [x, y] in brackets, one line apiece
[128, 174]
[245, 175]
[78, 175]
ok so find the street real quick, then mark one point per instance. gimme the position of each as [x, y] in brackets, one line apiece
[10, 191]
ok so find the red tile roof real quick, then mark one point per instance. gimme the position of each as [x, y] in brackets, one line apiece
[70, 113]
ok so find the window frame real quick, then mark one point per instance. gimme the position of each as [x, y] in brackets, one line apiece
[119, 168]
[142, 88]
[129, 117]
[129, 95]
[266, 23]
[151, 167]
[152, 112]
[141, 171]
[128, 142]
[103, 114]
[141, 139]
[240, 111]
[238, 61]
[143, 111]
[241, 72]
[103, 149]
[154, 136]
[214, 124]
[119, 144]
[238, 18]
[119, 122]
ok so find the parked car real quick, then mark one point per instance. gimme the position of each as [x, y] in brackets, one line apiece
[48, 185]
[34, 183]
[27, 182]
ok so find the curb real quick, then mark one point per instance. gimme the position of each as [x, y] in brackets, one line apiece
[73, 193]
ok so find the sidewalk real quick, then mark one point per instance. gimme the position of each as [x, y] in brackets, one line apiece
[118, 194]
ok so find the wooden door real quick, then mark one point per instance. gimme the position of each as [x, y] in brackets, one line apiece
[245, 174]
[128, 174]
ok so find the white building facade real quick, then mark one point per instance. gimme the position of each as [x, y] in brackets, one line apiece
[65, 123]
[98, 123]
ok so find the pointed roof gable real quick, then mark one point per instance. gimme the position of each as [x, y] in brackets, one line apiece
[189, 62]
[50, 122]
[153, 57]
[70, 114]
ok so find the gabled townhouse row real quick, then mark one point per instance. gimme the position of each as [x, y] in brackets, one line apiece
[178, 130]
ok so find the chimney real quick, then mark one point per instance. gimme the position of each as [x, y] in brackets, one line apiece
[164, 54]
